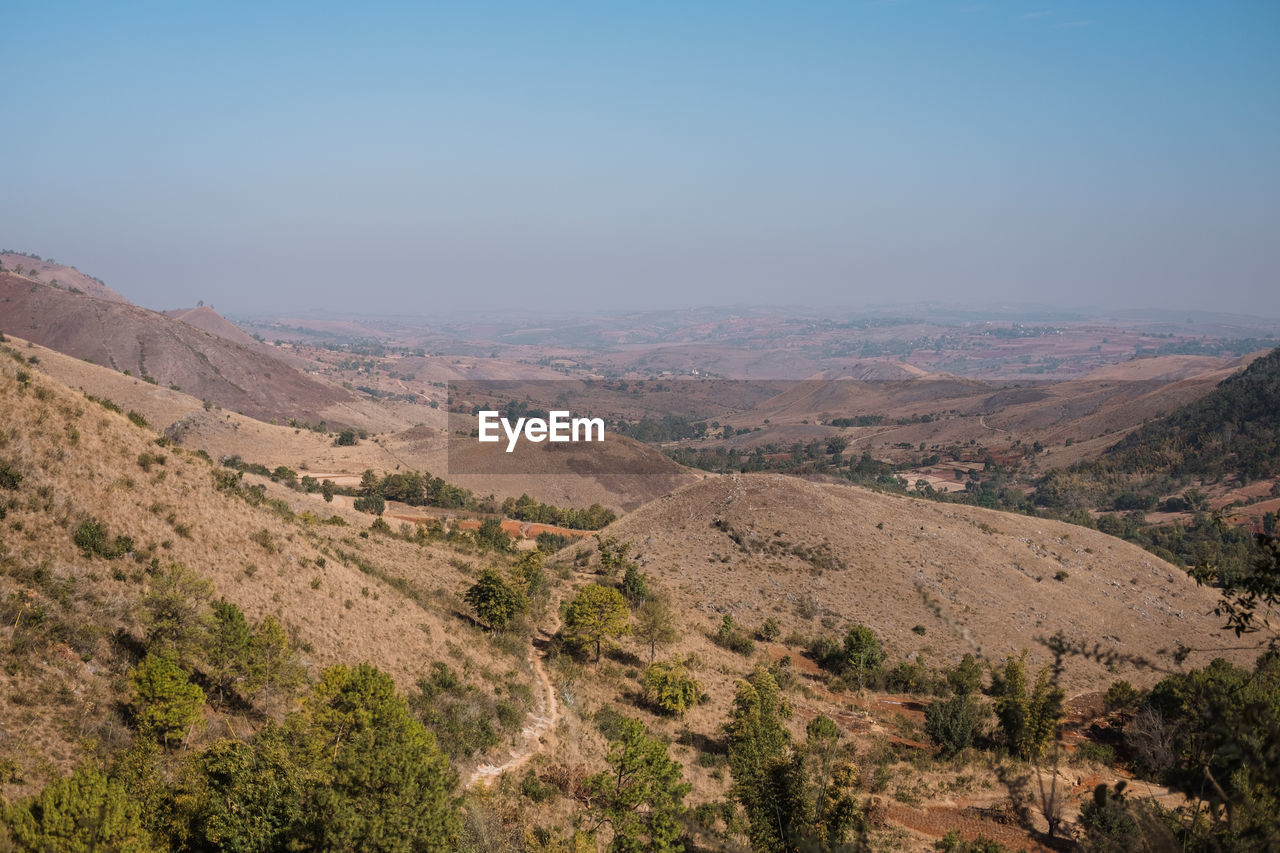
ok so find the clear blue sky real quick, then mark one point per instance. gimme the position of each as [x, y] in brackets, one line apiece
[424, 156]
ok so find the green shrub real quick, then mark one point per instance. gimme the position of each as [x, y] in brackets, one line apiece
[966, 676]
[1120, 695]
[374, 504]
[729, 637]
[10, 477]
[138, 419]
[671, 687]
[1096, 753]
[953, 723]
[534, 789]
[109, 405]
[146, 460]
[93, 539]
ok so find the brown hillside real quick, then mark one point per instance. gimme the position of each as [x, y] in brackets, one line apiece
[126, 337]
[346, 596]
[48, 272]
[820, 556]
[204, 317]
[641, 474]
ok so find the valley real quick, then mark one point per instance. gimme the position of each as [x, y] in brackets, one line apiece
[876, 536]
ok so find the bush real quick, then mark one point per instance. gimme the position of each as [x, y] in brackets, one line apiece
[534, 789]
[966, 676]
[549, 543]
[1120, 695]
[495, 600]
[1107, 823]
[1095, 753]
[138, 419]
[92, 538]
[915, 677]
[146, 460]
[953, 723]
[10, 477]
[729, 637]
[374, 504]
[462, 717]
[264, 539]
[671, 687]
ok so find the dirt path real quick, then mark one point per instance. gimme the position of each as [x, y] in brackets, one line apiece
[982, 419]
[541, 722]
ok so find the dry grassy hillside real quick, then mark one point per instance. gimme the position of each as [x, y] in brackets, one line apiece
[204, 317]
[148, 344]
[344, 594]
[813, 556]
[50, 272]
[818, 556]
[396, 443]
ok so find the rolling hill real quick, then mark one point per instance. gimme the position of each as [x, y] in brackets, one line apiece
[74, 618]
[817, 554]
[58, 276]
[169, 352]
[931, 580]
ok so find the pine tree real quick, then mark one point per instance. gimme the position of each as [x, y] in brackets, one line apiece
[758, 758]
[82, 813]
[862, 653]
[642, 796]
[655, 625]
[379, 781]
[172, 612]
[272, 667]
[494, 600]
[597, 614]
[227, 648]
[165, 702]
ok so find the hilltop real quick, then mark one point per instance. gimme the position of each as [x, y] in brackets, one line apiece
[58, 276]
[817, 555]
[160, 349]
[204, 317]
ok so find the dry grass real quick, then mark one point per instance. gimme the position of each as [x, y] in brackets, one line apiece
[345, 597]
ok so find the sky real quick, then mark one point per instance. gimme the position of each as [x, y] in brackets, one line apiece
[432, 157]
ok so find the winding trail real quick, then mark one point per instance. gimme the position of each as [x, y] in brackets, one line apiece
[982, 419]
[541, 721]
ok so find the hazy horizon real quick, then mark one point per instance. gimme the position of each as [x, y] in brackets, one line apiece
[396, 158]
